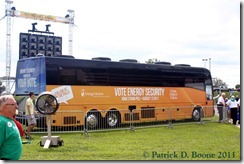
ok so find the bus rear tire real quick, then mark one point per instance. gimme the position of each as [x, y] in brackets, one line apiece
[113, 119]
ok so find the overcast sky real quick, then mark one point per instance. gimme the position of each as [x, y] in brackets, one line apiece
[176, 31]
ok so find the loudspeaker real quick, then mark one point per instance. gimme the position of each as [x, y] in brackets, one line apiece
[41, 39]
[32, 44]
[41, 46]
[50, 40]
[49, 53]
[32, 53]
[24, 45]
[57, 40]
[24, 53]
[33, 38]
[24, 37]
[49, 47]
[57, 48]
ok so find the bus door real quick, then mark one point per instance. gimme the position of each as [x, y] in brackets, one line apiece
[209, 106]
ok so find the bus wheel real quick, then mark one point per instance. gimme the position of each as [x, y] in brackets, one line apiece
[113, 119]
[196, 114]
[92, 120]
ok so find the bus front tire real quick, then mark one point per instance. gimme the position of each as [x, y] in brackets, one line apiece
[93, 119]
[196, 114]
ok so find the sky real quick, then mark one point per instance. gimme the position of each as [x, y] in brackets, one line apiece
[176, 31]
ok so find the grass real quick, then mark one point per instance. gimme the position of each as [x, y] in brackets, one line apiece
[214, 141]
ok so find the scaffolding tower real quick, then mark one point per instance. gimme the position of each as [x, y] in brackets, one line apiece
[10, 11]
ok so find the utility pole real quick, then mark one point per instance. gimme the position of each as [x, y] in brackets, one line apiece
[209, 64]
[204, 60]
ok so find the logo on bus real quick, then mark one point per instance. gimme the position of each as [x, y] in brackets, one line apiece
[63, 93]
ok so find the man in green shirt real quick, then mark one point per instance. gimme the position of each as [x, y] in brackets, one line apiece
[10, 140]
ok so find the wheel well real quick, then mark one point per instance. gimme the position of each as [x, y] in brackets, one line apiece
[95, 111]
[114, 110]
[198, 108]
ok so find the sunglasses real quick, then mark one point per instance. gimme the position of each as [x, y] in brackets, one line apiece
[11, 104]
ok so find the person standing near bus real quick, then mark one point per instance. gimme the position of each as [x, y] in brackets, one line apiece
[239, 110]
[226, 110]
[232, 103]
[220, 106]
[10, 140]
[30, 114]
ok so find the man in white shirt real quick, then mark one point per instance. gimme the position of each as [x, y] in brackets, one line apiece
[220, 106]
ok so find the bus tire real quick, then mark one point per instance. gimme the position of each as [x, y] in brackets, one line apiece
[93, 120]
[113, 119]
[196, 114]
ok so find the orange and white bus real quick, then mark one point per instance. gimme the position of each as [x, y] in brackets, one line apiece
[113, 88]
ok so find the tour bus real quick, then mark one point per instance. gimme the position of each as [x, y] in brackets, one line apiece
[108, 91]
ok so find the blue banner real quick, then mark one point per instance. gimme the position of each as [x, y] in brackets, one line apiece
[31, 76]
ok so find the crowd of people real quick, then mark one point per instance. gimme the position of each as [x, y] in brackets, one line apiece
[229, 109]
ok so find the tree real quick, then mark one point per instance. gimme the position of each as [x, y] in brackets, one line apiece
[151, 61]
[237, 86]
[218, 83]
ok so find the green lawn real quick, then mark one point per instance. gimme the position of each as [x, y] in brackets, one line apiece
[214, 141]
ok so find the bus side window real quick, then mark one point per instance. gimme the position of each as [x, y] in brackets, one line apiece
[81, 77]
[67, 76]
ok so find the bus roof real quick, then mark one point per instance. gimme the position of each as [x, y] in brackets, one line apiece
[123, 64]
[31, 75]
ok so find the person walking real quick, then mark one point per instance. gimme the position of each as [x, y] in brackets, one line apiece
[228, 112]
[220, 106]
[10, 140]
[30, 114]
[232, 103]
